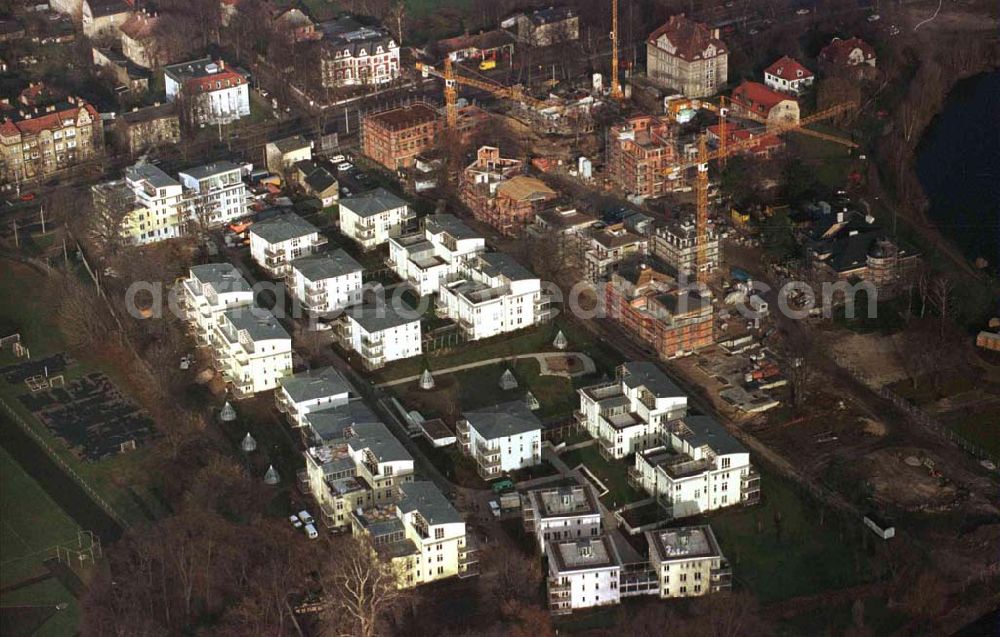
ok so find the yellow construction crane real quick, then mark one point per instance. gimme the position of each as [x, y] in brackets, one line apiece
[452, 80]
[616, 87]
[705, 156]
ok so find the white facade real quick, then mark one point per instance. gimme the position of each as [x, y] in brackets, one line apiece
[207, 292]
[381, 335]
[788, 76]
[313, 390]
[356, 55]
[161, 211]
[327, 282]
[216, 192]
[430, 256]
[583, 574]
[698, 468]
[353, 461]
[212, 94]
[493, 294]
[502, 438]
[422, 535]
[252, 350]
[627, 415]
[373, 218]
[561, 513]
[276, 242]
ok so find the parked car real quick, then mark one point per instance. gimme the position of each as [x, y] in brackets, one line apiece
[305, 517]
[495, 508]
[344, 166]
[802, 12]
[874, 17]
[311, 532]
[337, 159]
[296, 522]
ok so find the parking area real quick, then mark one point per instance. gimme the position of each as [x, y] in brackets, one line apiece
[91, 416]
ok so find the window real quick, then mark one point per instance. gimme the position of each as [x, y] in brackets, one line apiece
[438, 534]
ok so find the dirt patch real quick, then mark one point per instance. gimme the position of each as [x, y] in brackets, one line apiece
[565, 364]
[915, 488]
[874, 355]
[873, 427]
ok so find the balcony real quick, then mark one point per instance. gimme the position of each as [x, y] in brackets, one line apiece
[607, 448]
[634, 478]
[462, 429]
[303, 482]
[750, 487]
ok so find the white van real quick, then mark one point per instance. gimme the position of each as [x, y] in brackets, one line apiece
[311, 532]
[305, 517]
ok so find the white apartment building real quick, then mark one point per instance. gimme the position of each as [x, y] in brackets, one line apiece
[352, 462]
[381, 334]
[627, 415]
[356, 55]
[276, 242]
[558, 514]
[207, 292]
[216, 193]
[493, 294]
[312, 390]
[208, 91]
[698, 467]
[326, 282]
[501, 438]
[583, 573]
[431, 255]
[372, 218]
[422, 535]
[160, 209]
[688, 562]
[251, 350]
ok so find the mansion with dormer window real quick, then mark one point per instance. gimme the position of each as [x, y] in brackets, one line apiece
[357, 55]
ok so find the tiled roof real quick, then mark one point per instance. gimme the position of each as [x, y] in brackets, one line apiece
[838, 51]
[525, 188]
[758, 98]
[788, 69]
[690, 38]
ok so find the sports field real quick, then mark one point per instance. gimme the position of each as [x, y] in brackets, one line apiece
[32, 601]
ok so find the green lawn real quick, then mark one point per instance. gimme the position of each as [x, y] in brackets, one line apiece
[613, 474]
[837, 619]
[830, 161]
[795, 556]
[31, 523]
[981, 427]
[536, 339]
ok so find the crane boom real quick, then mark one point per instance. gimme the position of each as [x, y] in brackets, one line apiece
[616, 87]
[705, 156]
[452, 80]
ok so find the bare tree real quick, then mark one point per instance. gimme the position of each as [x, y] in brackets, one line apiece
[361, 589]
[108, 222]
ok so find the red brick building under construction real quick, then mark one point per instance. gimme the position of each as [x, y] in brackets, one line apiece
[395, 137]
[650, 306]
[497, 193]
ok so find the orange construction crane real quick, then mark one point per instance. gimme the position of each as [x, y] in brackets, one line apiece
[452, 80]
[616, 87]
[705, 156]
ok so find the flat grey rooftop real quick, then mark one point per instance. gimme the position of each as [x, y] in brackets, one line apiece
[283, 228]
[315, 384]
[424, 497]
[224, 277]
[372, 203]
[326, 265]
[376, 318]
[258, 322]
[210, 170]
[649, 375]
[506, 419]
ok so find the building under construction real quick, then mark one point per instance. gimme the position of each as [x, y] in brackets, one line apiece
[499, 194]
[651, 306]
[676, 244]
[395, 137]
[639, 151]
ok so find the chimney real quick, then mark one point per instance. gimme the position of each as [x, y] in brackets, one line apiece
[222, 65]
